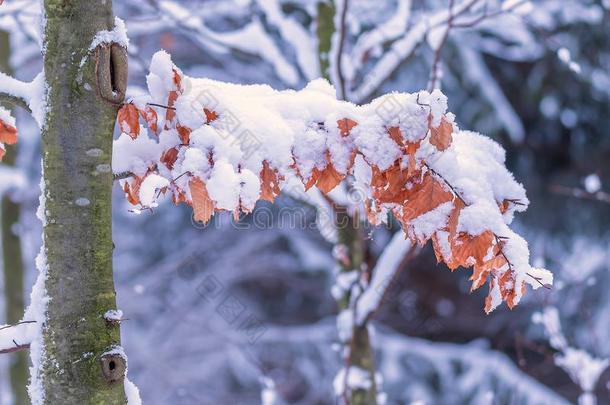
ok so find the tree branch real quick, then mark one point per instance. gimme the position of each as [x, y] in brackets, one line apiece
[17, 101]
[17, 348]
[13, 91]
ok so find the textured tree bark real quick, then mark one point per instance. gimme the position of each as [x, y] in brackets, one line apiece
[360, 352]
[12, 259]
[77, 151]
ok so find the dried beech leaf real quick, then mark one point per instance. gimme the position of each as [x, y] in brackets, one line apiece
[132, 191]
[168, 158]
[203, 206]
[150, 116]
[184, 133]
[328, 178]
[468, 250]
[424, 197]
[170, 113]
[129, 120]
[210, 115]
[442, 135]
[345, 126]
[270, 183]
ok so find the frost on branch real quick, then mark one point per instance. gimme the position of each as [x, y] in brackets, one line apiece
[222, 147]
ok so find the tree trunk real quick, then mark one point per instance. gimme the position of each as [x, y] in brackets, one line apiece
[12, 258]
[77, 153]
[359, 352]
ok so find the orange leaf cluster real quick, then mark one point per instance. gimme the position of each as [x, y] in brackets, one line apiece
[408, 188]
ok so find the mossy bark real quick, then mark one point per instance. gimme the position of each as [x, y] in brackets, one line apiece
[325, 30]
[12, 258]
[77, 153]
[360, 353]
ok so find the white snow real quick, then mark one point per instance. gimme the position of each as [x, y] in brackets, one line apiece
[33, 93]
[592, 183]
[150, 188]
[113, 315]
[132, 392]
[36, 311]
[118, 35]
[583, 368]
[357, 378]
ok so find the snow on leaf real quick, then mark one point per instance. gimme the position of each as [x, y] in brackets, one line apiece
[150, 116]
[254, 140]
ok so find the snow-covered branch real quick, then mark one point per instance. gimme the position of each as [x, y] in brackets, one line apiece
[219, 146]
[583, 368]
[17, 337]
[28, 95]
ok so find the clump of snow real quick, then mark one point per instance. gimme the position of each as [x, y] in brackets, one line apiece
[5, 115]
[345, 324]
[118, 35]
[150, 189]
[113, 315]
[33, 93]
[132, 393]
[353, 378]
[592, 183]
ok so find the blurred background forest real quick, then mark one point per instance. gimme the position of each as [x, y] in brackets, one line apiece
[534, 76]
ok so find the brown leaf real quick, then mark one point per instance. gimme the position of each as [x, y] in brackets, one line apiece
[345, 126]
[210, 115]
[203, 206]
[177, 80]
[481, 271]
[270, 183]
[468, 250]
[129, 120]
[8, 133]
[170, 113]
[132, 191]
[442, 135]
[328, 178]
[184, 133]
[168, 158]
[424, 197]
[150, 116]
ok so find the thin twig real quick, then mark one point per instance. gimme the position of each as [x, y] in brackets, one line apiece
[16, 324]
[342, 34]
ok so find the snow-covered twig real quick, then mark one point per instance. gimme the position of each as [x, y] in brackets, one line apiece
[28, 95]
[583, 368]
[16, 337]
